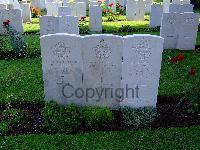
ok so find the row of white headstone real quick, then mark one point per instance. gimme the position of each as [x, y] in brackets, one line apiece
[77, 8]
[66, 23]
[179, 26]
[102, 70]
[25, 7]
[179, 30]
[166, 4]
[10, 3]
[62, 24]
[42, 3]
[157, 11]
[135, 9]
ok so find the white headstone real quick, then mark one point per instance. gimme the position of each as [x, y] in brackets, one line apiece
[3, 16]
[15, 3]
[4, 1]
[52, 8]
[62, 67]
[64, 2]
[176, 1]
[85, 1]
[142, 57]
[135, 10]
[50, 1]
[93, 3]
[48, 25]
[26, 12]
[79, 9]
[188, 31]
[10, 6]
[35, 3]
[95, 18]
[102, 55]
[166, 4]
[131, 10]
[148, 4]
[42, 4]
[64, 10]
[90, 70]
[185, 2]
[3, 6]
[141, 10]
[169, 29]
[156, 15]
[179, 30]
[15, 18]
[38, 4]
[68, 24]
[181, 8]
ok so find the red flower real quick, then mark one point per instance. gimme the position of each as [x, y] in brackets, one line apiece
[192, 71]
[99, 1]
[180, 57]
[6, 22]
[173, 60]
[111, 4]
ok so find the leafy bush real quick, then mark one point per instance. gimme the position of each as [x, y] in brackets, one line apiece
[95, 117]
[60, 119]
[127, 28]
[14, 116]
[137, 118]
[36, 12]
[84, 29]
[43, 11]
[17, 41]
[4, 128]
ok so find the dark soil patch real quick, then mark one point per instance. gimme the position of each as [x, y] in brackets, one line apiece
[170, 114]
[168, 109]
[33, 121]
[197, 47]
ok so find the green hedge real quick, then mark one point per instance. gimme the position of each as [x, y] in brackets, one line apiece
[96, 117]
[60, 119]
[137, 118]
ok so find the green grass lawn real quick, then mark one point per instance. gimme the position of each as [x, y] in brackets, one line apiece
[160, 139]
[21, 80]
